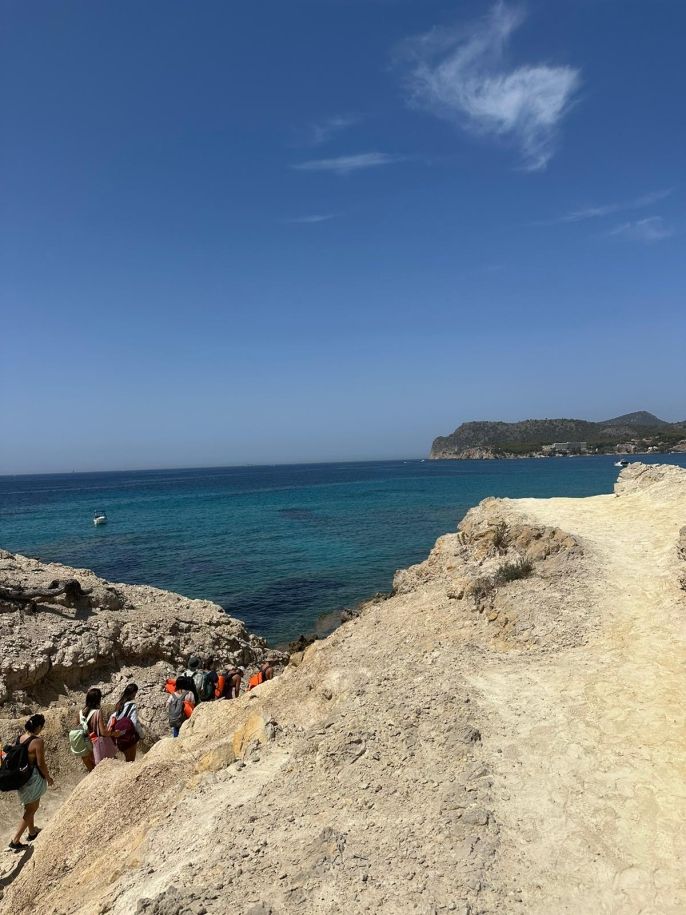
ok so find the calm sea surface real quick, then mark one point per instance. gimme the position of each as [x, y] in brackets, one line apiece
[276, 546]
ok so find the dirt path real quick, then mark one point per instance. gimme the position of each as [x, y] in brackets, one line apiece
[593, 755]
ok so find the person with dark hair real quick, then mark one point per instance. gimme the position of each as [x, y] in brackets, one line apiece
[264, 672]
[125, 721]
[100, 735]
[232, 682]
[209, 682]
[34, 789]
[195, 672]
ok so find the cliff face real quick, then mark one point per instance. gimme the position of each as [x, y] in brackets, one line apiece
[498, 736]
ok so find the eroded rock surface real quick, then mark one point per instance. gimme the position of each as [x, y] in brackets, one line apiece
[51, 652]
[515, 751]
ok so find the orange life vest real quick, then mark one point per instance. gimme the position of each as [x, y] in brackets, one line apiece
[219, 688]
[256, 679]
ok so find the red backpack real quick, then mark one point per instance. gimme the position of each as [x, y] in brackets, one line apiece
[128, 735]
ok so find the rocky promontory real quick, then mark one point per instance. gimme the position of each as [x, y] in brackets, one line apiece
[503, 734]
[633, 432]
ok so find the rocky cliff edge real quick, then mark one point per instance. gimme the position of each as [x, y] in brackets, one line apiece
[501, 735]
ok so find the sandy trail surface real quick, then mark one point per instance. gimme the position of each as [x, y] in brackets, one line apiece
[593, 758]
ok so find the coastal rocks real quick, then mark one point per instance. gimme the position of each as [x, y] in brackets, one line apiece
[466, 454]
[637, 477]
[490, 539]
[490, 534]
[108, 635]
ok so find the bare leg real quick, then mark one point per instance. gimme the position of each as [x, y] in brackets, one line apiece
[89, 762]
[130, 753]
[26, 821]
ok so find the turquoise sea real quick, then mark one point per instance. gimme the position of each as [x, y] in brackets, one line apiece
[279, 546]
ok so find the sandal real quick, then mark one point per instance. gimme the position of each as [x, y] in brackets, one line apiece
[33, 835]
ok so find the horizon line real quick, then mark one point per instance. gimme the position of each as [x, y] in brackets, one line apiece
[66, 473]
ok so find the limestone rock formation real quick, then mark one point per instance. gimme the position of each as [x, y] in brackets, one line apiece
[510, 748]
[51, 651]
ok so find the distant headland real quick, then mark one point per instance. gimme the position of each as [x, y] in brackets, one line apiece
[632, 433]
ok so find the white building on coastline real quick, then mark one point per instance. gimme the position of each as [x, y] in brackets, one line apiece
[566, 448]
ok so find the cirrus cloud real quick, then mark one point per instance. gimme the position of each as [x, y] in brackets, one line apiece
[462, 76]
[345, 165]
[310, 220]
[651, 229]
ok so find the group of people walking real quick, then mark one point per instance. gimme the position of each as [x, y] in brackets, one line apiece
[25, 765]
[206, 684]
[94, 738]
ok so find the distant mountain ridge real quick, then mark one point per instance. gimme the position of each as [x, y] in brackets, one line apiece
[530, 436]
[640, 418]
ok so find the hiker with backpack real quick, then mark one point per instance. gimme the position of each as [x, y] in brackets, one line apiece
[180, 704]
[124, 720]
[80, 742]
[93, 724]
[195, 673]
[208, 690]
[25, 763]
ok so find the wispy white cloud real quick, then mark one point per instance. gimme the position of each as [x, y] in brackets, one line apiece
[594, 212]
[325, 130]
[462, 75]
[651, 229]
[345, 165]
[310, 220]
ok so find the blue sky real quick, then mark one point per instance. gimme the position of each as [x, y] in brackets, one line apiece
[333, 229]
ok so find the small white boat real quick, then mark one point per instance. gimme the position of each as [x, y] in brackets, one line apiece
[621, 463]
[99, 518]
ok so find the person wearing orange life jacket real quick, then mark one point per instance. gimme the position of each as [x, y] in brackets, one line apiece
[229, 684]
[265, 672]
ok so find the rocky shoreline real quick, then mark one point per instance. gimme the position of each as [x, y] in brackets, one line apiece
[494, 737]
[487, 454]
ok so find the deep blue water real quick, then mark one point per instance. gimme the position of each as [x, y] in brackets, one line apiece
[276, 546]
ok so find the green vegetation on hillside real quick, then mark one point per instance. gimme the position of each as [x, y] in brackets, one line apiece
[641, 430]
